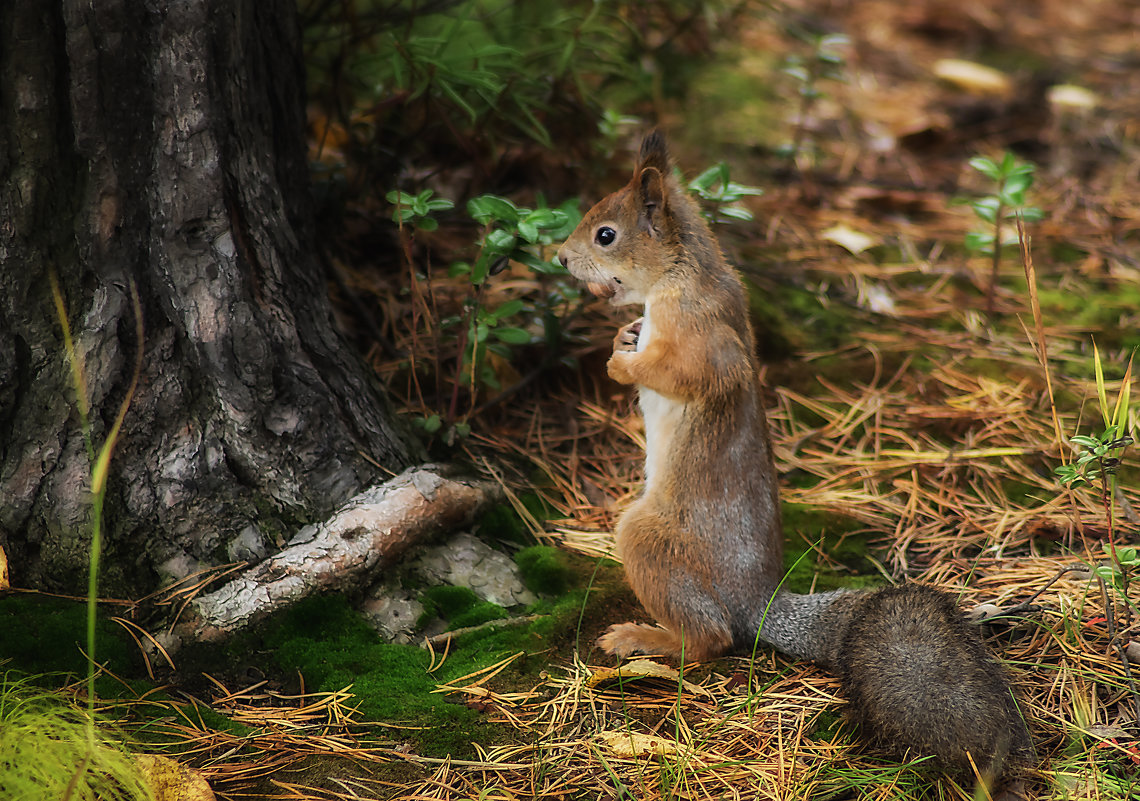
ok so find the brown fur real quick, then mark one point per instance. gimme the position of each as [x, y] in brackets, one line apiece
[918, 678]
[702, 546]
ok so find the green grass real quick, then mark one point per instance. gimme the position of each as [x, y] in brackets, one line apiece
[50, 750]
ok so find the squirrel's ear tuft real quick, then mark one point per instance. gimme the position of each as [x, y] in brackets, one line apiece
[651, 197]
[654, 152]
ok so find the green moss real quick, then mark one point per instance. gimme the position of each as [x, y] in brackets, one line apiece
[447, 601]
[503, 523]
[789, 319]
[482, 612]
[334, 648]
[810, 532]
[544, 570]
[1111, 314]
[42, 635]
[458, 605]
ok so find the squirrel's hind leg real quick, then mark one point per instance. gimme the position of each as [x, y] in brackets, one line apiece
[623, 639]
[670, 576]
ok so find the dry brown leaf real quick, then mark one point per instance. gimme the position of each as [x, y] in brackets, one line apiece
[1068, 97]
[972, 77]
[642, 669]
[628, 744]
[173, 781]
[854, 242]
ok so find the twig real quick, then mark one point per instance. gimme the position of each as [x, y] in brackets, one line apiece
[447, 636]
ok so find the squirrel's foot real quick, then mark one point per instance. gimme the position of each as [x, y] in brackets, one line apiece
[623, 639]
[626, 339]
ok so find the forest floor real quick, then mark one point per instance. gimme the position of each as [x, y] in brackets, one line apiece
[918, 408]
[910, 403]
[909, 399]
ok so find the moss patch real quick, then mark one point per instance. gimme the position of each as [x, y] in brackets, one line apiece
[42, 635]
[544, 569]
[824, 551]
[1111, 314]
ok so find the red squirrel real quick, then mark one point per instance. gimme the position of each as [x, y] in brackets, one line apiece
[703, 544]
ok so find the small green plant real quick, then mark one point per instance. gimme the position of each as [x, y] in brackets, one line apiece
[509, 233]
[714, 187]
[824, 62]
[417, 209]
[1100, 456]
[1096, 465]
[1012, 181]
[83, 770]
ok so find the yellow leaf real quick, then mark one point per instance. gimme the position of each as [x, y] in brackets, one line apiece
[1098, 369]
[1120, 413]
[4, 583]
[628, 744]
[1067, 97]
[849, 239]
[172, 781]
[972, 77]
[642, 669]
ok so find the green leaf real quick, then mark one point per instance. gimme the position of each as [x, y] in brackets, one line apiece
[538, 265]
[431, 424]
[458, 268]
[1124, 555]
[545, 218]
[735, 212]
[799, 73]
[1120, 412]
[740, 190]
[986, 208]
[512, 336]
[1087, 442]
[481, 266]
[1107, 572]
[492, 207]
[528, 231]
[707, 178]
[978, 240]
[1017, 184]
[986, 167]
[1031, 214]
[500, 242]
[427, 223]
[1101, 391]
[513, 306]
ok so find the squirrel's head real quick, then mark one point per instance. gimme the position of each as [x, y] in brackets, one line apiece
[623, 244]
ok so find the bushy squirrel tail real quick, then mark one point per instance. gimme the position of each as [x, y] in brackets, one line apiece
[916, 675]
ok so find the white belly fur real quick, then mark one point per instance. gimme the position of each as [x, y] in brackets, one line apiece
[661, 415]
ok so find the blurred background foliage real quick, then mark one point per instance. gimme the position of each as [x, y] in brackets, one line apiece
[451, 141]
[481, 93]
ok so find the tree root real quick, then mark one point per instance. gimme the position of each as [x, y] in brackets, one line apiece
[368, 533]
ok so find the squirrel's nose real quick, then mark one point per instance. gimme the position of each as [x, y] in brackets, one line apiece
[563, 256]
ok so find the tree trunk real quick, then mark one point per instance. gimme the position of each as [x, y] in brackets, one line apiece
[162, 143]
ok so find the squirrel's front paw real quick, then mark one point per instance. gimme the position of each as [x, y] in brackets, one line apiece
[626, 339]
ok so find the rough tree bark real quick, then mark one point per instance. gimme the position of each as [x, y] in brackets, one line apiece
[162, 143]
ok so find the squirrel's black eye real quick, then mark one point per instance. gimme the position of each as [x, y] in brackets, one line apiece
[605, 236]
